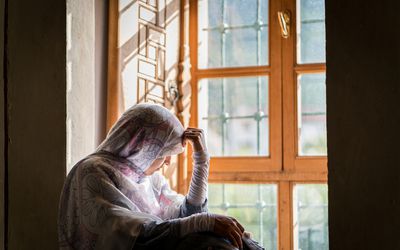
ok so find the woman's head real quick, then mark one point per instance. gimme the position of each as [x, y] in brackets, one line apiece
[145, 133]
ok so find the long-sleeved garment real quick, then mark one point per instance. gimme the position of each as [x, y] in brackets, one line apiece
[108, 202]
[102, 209]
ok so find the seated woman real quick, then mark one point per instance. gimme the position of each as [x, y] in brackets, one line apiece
[116, 199]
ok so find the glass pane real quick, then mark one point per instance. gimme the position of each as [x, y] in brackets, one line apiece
[256, 211]
[312, 111]
[311, 31]
[240, 47]
[239, 144]
[234, 12]
[231, 37]
[311, 217]
[234, 114]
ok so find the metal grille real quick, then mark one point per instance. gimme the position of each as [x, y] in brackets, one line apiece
[266, 231]
[307, 234]
[223, 28]
[224, 117]
[311, 216]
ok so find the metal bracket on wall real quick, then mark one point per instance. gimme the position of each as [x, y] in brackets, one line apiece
[173, 93]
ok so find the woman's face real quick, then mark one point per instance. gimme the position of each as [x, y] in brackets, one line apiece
[157, 164]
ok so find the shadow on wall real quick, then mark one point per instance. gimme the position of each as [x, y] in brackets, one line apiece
[146, 49]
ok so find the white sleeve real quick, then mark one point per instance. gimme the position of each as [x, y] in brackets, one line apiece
[202, 222]
[199, 184]
[169, 200]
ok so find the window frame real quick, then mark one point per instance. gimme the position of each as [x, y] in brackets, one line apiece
[284, 167]
[234, 165]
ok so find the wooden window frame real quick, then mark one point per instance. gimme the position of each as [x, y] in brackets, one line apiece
[234, 165]
[284, 167]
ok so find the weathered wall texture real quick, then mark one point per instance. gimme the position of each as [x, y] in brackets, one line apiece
[86, 77]
[148, 47]
[80, 80]
[363, 100]
[37, 114]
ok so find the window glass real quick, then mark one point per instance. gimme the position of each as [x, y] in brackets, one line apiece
[310, 31]
[312, 115]
[256, 211]
[311, 217]
[234, 114]
[231, 37]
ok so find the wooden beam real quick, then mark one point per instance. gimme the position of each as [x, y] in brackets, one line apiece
[113, 65]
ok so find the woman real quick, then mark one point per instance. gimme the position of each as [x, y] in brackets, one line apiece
[115, 199]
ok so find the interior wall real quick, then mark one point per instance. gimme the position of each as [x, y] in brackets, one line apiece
[87, 36]
[101, 53]
[2, 123]
[363, 100]
[37, 114]
[37, 82]
[80, 80]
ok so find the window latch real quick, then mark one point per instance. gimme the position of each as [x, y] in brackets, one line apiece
[284, 22]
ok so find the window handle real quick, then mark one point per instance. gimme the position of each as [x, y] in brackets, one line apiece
[284, 22]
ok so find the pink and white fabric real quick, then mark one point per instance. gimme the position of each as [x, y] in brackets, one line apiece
[106, 198]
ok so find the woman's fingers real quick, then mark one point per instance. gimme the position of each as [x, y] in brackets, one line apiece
[194, 129]
[247, 234]
[232, 239]
[199, 133]
[238, 225]
[195, 137]
[192, 136]
[236, 239]
[229, 227]
[237, 231]
[193, 132]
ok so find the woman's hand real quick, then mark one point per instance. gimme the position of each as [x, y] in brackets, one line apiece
[196, 138]
[229, 228]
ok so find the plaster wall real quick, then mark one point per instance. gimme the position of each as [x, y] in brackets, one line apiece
[80, 80]
[363, 100]
[37, 114]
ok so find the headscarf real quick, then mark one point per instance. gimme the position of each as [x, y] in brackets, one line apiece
[106, 198]
[144, 133]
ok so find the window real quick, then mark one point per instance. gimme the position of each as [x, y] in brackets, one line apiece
[258, 90]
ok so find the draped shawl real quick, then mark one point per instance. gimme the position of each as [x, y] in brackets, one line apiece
[107, 199]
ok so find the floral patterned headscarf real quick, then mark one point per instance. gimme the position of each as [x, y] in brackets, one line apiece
[107, 198]
[144, 133]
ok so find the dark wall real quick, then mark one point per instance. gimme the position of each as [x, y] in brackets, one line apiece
[2, 141]
[363, 102]
[37, 117]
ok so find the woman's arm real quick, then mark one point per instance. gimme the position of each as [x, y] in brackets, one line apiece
[196, 199]
[197, 195]
[199, 184]
[176, 205]
[170, 231]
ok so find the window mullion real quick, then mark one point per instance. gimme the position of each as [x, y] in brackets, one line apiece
[289, 90]
[285, 208]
